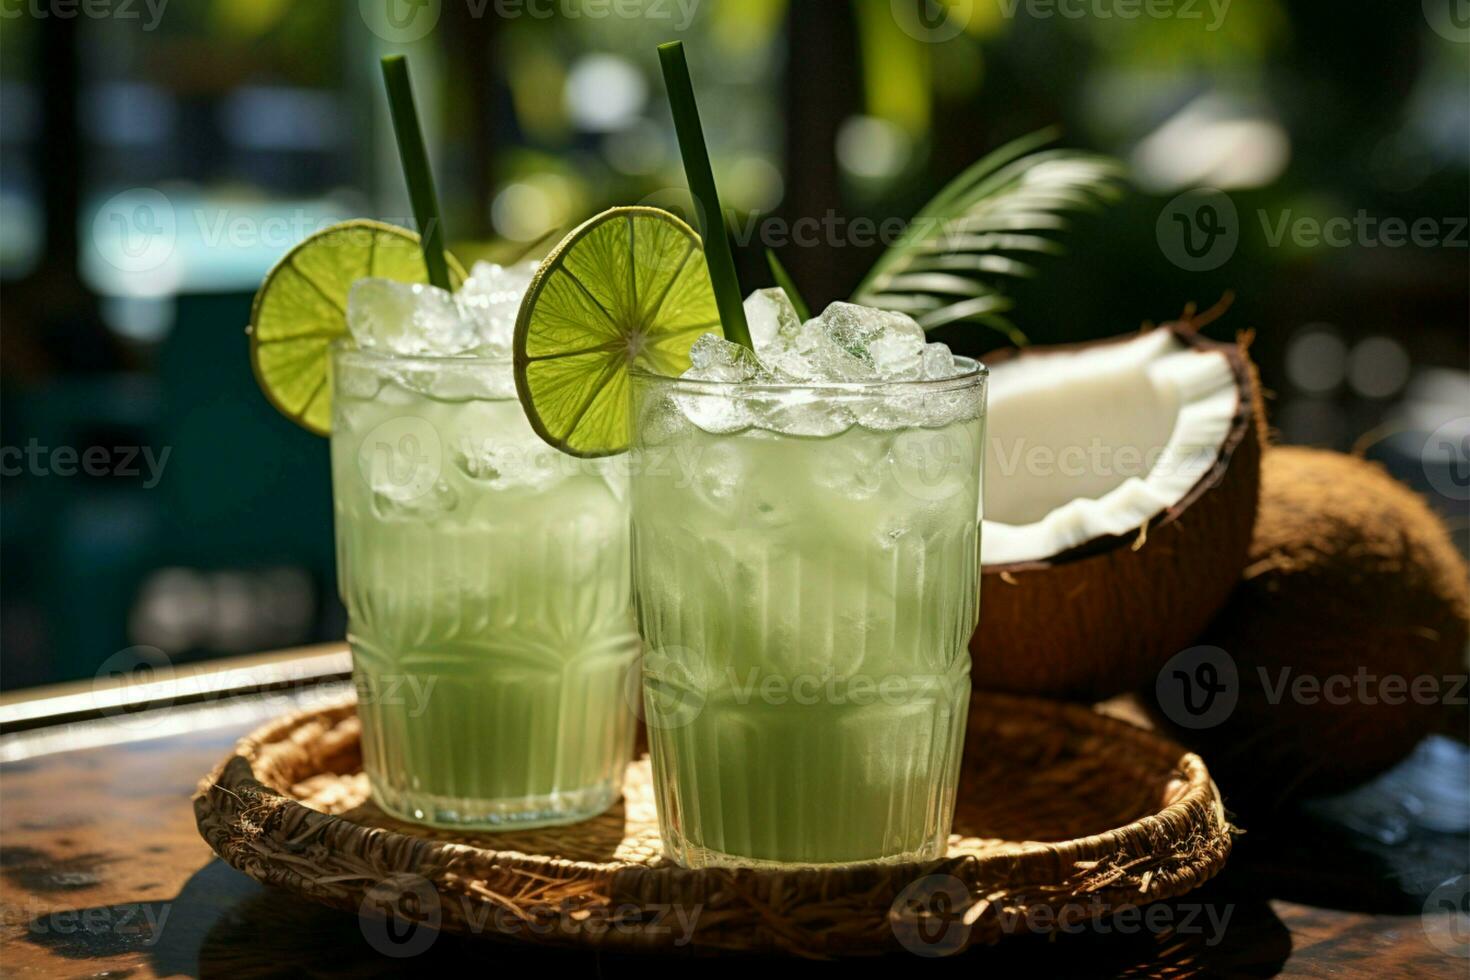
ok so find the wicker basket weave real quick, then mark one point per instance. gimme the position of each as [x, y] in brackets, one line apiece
[1063, 815]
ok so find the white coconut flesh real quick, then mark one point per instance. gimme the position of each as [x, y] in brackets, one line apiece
[1096, 440]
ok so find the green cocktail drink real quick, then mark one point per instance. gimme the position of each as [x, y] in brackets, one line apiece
[485, 577]
[805, 575]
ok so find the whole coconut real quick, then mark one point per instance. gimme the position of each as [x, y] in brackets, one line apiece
[1347, 631]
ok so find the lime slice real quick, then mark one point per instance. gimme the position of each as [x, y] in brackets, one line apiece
[629, 287]
[301, 309]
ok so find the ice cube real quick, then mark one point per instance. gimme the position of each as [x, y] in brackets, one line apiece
[897, 357]
[390, 503]
[818, 355]
[491, 299]
[934, 465]
[786, 348]
[938, 362]
[717, 359]
[505, 464]
[848, 343]
[809, 354]
[773, 321]
[889, 345]
[853, 466]
[801, 411]
[718, 475]
[407, 318]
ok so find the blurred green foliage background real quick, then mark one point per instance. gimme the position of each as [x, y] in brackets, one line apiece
[155, 159]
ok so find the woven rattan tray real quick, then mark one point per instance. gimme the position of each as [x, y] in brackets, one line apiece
[1064, 814]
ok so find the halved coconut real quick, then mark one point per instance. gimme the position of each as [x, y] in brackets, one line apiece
[1121, 485]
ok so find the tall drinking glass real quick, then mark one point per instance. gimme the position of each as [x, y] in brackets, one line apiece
[806, 582]
[486, 582]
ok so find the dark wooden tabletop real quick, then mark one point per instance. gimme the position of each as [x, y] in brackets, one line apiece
[103, 874]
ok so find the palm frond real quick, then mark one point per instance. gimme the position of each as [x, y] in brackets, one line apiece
[952, 261]
[788, 286]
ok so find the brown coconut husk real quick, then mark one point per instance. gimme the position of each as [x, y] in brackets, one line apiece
[1349, 571]
[1102, 618]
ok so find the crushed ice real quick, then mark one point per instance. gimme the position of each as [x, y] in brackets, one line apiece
[415, 319]
[845, 343]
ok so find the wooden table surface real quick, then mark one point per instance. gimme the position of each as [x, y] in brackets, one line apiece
[102, 873]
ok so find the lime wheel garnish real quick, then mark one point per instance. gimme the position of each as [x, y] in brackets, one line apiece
[628, 288]
[300, 310]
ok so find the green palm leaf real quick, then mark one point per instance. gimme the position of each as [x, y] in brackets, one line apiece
[951, 263]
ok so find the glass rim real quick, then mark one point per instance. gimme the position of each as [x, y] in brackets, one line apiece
[345, 347]
[974, 374]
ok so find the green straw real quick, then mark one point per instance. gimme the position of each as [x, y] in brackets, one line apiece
[416, 168]
[702, 186]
